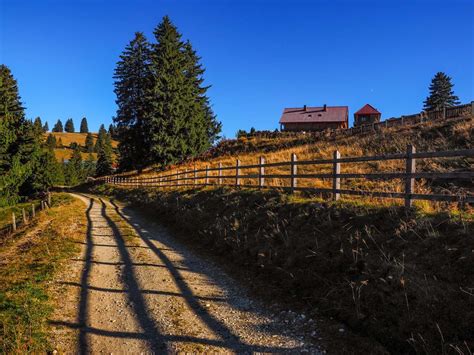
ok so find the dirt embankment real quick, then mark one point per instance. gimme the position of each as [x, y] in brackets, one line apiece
[403, 280]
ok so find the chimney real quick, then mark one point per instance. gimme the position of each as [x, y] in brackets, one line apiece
[325, 108]
[304, 108]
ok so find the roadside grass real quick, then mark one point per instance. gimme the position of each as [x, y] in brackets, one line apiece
[400, 278]
[28, 263]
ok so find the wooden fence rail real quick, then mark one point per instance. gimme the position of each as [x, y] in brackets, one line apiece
[202, 177]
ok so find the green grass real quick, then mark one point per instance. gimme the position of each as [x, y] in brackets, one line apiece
[6, 212]
[28, 265]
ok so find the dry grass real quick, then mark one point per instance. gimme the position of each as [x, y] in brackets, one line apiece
[65, 154]
[426, 137]
[79, 138]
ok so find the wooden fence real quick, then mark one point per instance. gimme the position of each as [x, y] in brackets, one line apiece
[212, 176]
[27, 214]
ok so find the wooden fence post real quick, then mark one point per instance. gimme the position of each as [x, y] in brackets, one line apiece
[195, 176]
[23, 213]
[177, 178]
[261, 172]
[237, 172]
[409, 180]
[219, 181]
[49, 199]
[33, 213]
[207, 175]
[13, 221]
[293, 171]
[186, 176]
[336, 180]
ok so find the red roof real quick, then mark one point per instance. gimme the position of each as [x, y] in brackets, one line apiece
[315, 114]
[367, 110]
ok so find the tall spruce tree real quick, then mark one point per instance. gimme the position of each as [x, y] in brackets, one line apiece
[182, 123]
[19, 141]
[51, 142]
[38, 125]
[133, 88]
[69, 126]
[104, 157]
[58, 127]
[45, 127]
[84, 126]
[101, 137]
[75, 169]
[441, 93]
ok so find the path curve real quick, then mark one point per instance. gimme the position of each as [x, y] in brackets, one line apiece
[135, 289]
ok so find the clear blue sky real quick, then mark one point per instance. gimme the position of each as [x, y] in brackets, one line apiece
[260, 56]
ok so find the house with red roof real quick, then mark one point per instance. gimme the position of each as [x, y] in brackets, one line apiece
[366, 115]
[314, 118]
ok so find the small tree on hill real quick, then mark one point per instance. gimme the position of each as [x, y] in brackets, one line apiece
[100, 138]
[59, 143]
[58, 127]
[51, 142]
[84, 126]
[104, 157]
[69, 126]
[45, 127]
[38, 125]
[89, 143]
[441, 93]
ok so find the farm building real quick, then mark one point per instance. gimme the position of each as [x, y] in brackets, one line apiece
[314, 118]
[366, 115]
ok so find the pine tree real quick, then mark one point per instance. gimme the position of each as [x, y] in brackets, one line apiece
[89, 143]
[69, 126]
[38, 125]
[84, 126]
[133, 86]
[90, 166]
[45, 127]
[101, 136]
[112, 130]
[441, 93]
[19, 141]
[104, 157]
[58, 127]
[75, 169]
[47, 173]
[51, 142]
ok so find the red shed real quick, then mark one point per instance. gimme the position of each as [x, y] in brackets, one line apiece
[314, 118]
[366, 115]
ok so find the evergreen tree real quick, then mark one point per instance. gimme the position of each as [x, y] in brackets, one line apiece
[51, 142]
[182, 122]
[441, 93]
[104, 157]
[89, 143]
[101, 137]
[38, 125]
[90, 166]
[133, 87]
[59, 143]
[47, 173]
[112, 130]
[69, 126]
[84, 126]
[58, 127]
[75, 169]
[45, 127]
[19, 141]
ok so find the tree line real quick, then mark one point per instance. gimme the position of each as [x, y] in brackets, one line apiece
[28, 164]
[164, 114]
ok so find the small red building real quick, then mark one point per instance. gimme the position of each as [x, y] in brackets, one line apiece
[314, 118]
[366, 115]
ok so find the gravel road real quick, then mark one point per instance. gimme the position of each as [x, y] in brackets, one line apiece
[135, 289]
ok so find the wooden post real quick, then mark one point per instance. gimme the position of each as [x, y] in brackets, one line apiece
[23, 213]
[195, 176]
[293, 172]
[42, 205]
[177, 182]
[237, 172]
[186, 176]
[207, 175]
[219, 181]
[409, 180]
[33, 212]
[261, 172]
[13, 221]
[336, 181]
[49, 199]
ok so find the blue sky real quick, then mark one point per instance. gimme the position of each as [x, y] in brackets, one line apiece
[260, 56]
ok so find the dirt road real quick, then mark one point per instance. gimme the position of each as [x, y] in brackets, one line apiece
[135, 289]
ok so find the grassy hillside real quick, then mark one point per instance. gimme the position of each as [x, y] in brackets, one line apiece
[67, 138]
[431, 136]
